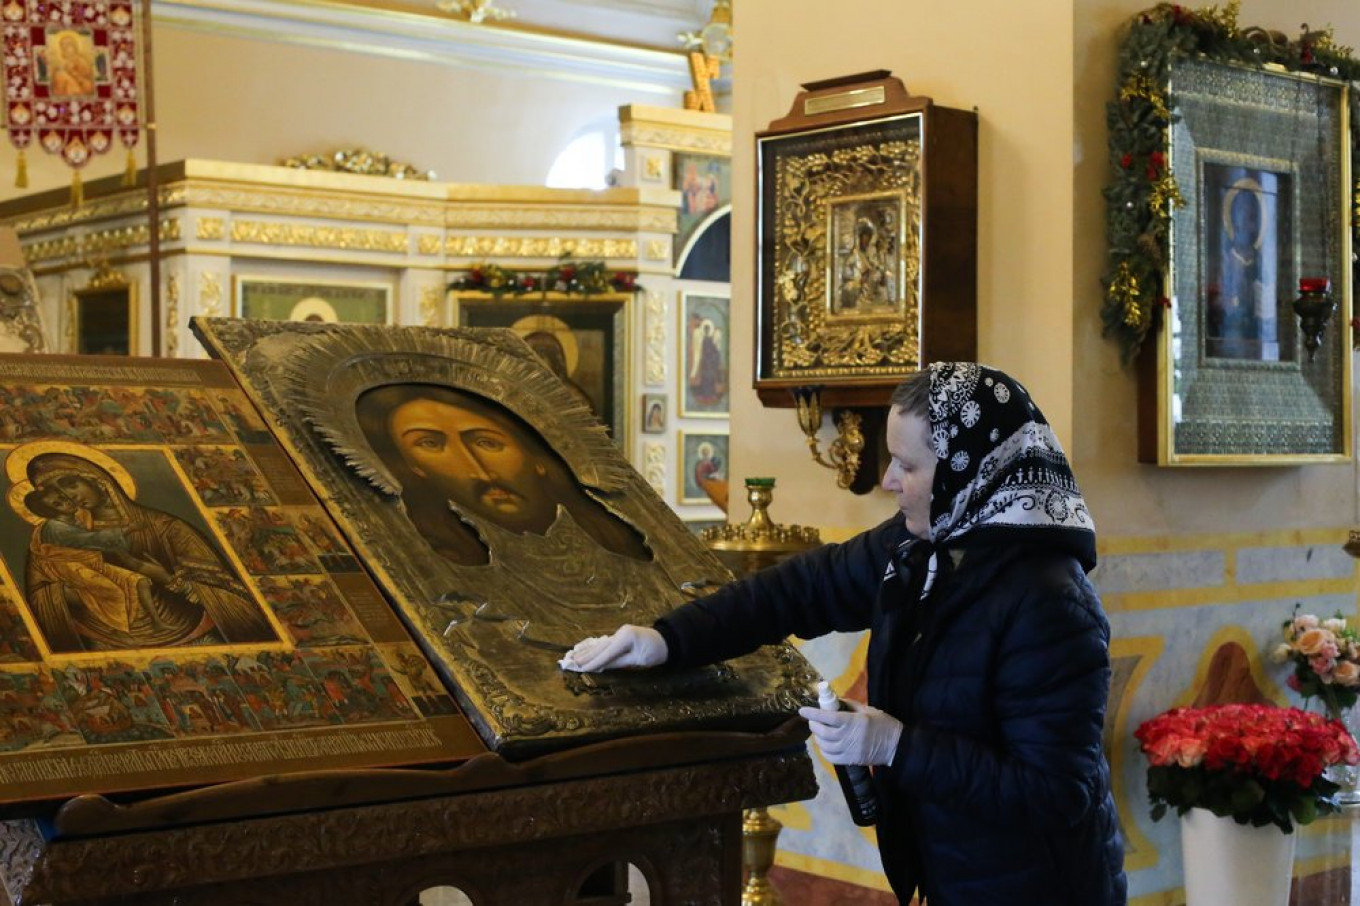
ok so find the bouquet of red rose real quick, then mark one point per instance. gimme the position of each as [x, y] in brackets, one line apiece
[1257, 764]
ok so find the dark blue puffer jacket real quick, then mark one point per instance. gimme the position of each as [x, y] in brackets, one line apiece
[999, 792]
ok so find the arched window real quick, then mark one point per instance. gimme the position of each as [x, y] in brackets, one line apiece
[588, 159]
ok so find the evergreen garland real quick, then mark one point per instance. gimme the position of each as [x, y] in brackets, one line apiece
[568, 276]
[1142, 193]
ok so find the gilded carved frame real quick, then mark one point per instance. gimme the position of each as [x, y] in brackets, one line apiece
[840, 237]
[866, 239]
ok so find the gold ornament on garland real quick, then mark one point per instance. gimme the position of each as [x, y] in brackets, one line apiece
[1142, 88]
[1224, 19]
[1163, 195]
[1125, 293]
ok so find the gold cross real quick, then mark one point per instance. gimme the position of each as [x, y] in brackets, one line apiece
[702, 69]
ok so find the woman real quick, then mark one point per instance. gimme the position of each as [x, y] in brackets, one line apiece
[196, 596]
[988, 657]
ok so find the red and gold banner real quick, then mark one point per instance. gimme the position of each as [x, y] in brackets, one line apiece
[71, 76]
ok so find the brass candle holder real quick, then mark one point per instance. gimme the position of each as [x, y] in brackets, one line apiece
[758, 543]
[843, 455]
[759, 836]
[744, 549]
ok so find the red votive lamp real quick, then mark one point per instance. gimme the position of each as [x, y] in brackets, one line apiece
[1314, 306]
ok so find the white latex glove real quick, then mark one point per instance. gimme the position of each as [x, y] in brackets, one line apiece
[629, 646]
[864, 735]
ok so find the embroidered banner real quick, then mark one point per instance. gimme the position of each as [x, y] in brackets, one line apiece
[71, 76]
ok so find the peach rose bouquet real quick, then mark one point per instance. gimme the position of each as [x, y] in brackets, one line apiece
[1256, 764]
[1325, 655]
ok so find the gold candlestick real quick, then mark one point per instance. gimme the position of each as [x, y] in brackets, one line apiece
[759, 542]
[759, 834]
[746, 548]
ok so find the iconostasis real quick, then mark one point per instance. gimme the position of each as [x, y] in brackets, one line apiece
[648, 350]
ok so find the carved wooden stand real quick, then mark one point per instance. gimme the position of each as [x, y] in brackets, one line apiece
[533, 843]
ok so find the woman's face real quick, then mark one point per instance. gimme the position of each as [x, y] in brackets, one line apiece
[911, 473]
[78, 491]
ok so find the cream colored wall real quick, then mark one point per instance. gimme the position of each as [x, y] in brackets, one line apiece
[1013, 62]
[222, 97]
[1190, 555]
[1128, 498]
[1040, 75]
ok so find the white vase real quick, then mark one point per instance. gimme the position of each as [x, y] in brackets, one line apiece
[1230, 863]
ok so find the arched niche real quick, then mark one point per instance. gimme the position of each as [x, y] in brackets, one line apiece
[617, 883]
[444, 896]
[708, 254]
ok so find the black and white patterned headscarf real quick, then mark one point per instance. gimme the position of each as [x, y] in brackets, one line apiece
[1001, 474]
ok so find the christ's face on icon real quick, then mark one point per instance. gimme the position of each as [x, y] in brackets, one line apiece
[479, 462]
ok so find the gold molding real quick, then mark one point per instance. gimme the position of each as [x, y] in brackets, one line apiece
[105, 276]
[171, 317]
[658, 250]
[431, 298]
[651, 135]
[209, 228]
[69, 334]
[44, 212]
[654, 336]
[101, 241]
[230, 187]
[654, 466]
[643, 125]
[556, 217]
[302, 202]
[261, 232]
[537, 247]
[429, 244]
[209, 294]
[265, 198]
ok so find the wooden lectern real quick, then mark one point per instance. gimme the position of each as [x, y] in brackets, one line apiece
[243, 660]
[560, 829]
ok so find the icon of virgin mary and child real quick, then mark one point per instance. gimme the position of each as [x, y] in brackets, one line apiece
[105, 572]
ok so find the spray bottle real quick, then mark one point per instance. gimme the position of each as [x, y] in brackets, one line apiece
[857, 783]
